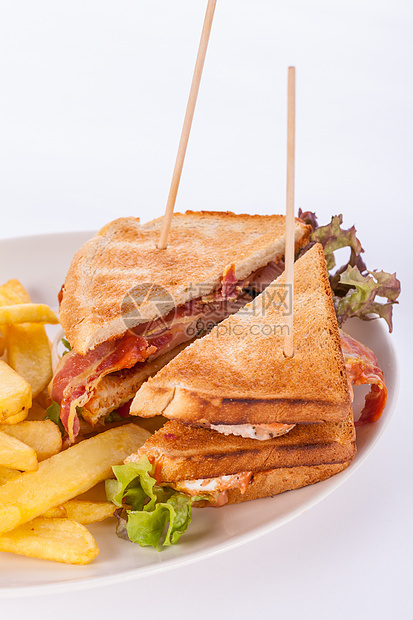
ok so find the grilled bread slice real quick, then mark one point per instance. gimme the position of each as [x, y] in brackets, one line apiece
[124, 255]
[275, 481]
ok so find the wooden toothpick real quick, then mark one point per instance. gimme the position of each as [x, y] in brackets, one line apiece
[190, 109]
[290, 223]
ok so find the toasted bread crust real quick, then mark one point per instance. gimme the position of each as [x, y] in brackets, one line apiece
[187, 453]
[124, 255]
[202, 410]
[275, 481]
[238, 373]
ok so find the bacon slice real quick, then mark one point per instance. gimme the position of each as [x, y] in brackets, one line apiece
[77, 375]
[258, 280]
[229, 283]
[363, 367]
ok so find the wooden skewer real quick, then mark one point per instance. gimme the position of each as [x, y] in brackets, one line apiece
[290, 223]
[190, 109]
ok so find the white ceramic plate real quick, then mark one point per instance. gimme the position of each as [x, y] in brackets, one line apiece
[41, 262]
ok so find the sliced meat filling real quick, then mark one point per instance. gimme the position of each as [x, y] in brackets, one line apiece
[363, 367]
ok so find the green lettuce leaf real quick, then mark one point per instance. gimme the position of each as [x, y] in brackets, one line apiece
[360, 298]
[133, 485]
[67, 346]
[146, 508]
[113, 417]
[53, 414]
[354, 287]
[181, 505]
[146, 528]
[333, 237]
[389, 285]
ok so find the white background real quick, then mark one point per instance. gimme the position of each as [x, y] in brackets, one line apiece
[93, 95]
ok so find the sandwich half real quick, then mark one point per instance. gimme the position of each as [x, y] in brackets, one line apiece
[180, 466]
[230, 469]
[237, 380]
[128, 308]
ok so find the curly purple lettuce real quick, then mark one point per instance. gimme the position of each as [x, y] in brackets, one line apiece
[354, 287]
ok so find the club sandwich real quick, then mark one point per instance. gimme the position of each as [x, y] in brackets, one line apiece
[235, 386]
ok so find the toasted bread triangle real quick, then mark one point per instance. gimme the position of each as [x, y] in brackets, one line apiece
[238, 373]
[124, 255]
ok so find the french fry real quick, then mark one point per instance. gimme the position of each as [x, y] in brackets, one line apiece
[13, 292]
[15, 392]
[16, 454]
[7, 474]
[28, 348]
[82, 511]
[66, 475]
[61, 540]
[58, 512]
[27, 313]
[28, 353]
[86, 512]
[15, 419]
[2, 345]
[44, 437]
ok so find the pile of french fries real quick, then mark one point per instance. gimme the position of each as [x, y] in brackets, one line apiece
[41, 514]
